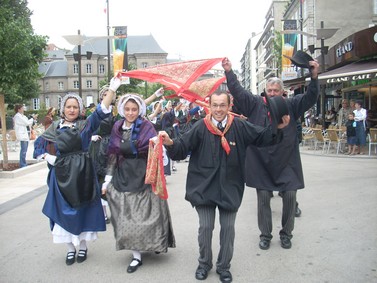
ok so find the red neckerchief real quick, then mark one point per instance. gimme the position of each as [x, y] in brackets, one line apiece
[214, 130]
[155, 169]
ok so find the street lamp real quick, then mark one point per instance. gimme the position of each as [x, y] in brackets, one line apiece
[323, 34]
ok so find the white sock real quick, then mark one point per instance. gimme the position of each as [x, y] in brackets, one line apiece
[83, 245]
[136, 254]
[71, 247]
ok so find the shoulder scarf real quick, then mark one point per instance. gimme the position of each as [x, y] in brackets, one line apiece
[214, 130]
[155, 169]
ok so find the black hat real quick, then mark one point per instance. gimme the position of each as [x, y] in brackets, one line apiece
[278, 108]
[301, 59]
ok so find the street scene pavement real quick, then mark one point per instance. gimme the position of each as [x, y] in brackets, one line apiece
[334, 240]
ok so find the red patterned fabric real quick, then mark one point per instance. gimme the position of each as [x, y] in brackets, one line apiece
[155, 169]
[214, 130]
[178, 76]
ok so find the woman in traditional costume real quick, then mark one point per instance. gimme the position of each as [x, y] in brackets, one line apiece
[73, 202]
[141, 219]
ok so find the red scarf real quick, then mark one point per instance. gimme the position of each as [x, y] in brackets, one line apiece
[214, 130]
[155, 169]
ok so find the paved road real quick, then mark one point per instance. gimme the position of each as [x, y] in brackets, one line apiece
[335, 240]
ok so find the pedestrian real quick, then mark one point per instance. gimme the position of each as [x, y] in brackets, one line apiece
[73, 202]
[21, 122]
[215, 177]
[351, 134]
[360, 118]
[140, 218]
[277, 167]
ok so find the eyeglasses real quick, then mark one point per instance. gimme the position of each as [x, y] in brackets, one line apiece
[221, 106]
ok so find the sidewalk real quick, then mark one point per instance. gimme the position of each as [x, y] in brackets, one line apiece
[27, 179]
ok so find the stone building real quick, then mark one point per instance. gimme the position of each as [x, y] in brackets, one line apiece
[61, 75]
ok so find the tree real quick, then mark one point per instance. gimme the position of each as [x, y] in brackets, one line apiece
[20, 51]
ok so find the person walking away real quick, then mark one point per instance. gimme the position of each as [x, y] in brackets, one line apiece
[277, 167]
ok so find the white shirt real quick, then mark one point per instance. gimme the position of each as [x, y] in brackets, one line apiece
[21, 122]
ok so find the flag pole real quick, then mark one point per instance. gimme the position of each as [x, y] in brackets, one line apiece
[108, 43]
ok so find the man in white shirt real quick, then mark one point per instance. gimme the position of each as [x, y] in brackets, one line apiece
[21, 122]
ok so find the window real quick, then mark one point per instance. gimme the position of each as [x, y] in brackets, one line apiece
[89, 100]
[60, 86]
[59, 101]
[76, 84]
[88, 68]
[89, 84]
[36, 104]
[75, 68]
[47, 102]
[101, 68]
[47, 86]
[144, 64]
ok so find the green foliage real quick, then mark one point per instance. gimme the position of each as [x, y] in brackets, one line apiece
[20, 51]
[277, 50]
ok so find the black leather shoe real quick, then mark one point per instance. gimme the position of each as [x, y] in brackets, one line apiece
[285, 243]
[298, 211]
[201, 273]
[71, 258]
[81, 256]
[225, 276]
[131, 269]
[264, 244]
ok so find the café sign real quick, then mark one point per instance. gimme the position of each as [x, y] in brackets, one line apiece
[349, 78]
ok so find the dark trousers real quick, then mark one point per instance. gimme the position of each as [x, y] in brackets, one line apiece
[265, 216]
[206, 225]
[23, 151]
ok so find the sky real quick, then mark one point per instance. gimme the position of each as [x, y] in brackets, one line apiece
[189, 30]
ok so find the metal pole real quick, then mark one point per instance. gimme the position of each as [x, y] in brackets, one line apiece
[109, 75]
[323, 96]
[301, 38]
[79, 63]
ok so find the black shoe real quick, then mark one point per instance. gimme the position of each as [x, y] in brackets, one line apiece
[81, 256]
[264, 244]
[298, 211]
[285, 242]
[201, 273]
[225, 276]
[71, 258]
[131, 269]
[107, 220]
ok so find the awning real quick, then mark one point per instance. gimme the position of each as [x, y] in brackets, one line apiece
[361, 70]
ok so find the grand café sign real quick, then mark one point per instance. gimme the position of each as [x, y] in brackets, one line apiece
[349, 78]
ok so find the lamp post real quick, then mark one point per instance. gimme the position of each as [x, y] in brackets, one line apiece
[323, 34]
[77, 57]
[108, 42]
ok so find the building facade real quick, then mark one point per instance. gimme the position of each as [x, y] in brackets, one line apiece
[60, 70]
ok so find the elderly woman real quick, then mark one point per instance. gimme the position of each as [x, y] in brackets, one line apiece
[140, 218]
[73, 202]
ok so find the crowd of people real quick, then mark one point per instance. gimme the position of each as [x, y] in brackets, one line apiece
[100, 161]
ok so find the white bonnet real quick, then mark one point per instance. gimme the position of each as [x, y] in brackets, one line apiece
[71, 95]
[123, 100]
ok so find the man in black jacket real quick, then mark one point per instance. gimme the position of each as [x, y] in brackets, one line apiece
[215, 175]
[277, 167]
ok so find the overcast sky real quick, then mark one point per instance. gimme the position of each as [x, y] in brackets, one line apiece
[190, 30]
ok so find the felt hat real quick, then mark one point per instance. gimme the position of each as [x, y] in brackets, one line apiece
[301, 59]
[277, 106]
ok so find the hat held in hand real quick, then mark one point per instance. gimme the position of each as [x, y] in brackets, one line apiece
[301, 59]
[278, 108]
